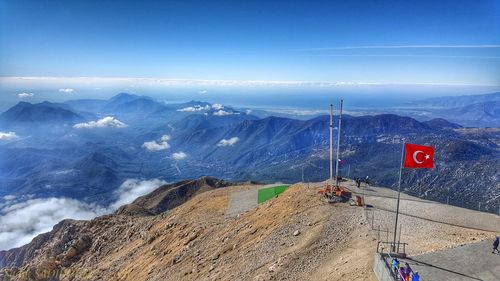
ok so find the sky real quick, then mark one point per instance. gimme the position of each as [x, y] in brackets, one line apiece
[412, 43]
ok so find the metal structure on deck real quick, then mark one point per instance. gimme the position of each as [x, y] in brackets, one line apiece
[334, 192]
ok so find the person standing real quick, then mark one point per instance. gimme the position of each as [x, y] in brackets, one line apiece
[495, 245]
[415, 277]
[395, 266]
[407, 272]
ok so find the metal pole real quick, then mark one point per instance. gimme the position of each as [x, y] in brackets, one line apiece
[338, 145]
[399, 195]
[302, 173]
[399, 238]
[479, 206]
[349, 171]
[448, 200]
[331, 142]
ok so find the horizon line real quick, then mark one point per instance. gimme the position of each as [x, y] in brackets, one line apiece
[236, 82]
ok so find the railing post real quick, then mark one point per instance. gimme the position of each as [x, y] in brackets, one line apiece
[373, 216]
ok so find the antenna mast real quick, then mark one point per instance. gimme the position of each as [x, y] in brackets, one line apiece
[331, 142]
[338, 145]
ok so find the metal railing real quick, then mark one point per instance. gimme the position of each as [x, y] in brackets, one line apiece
[397, 248]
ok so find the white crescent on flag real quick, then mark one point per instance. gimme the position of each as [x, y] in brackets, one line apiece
[415, 154]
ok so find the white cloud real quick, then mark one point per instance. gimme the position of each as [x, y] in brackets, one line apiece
[217, 106]
[223, 113]
[153, 145]
[202, 92]
[9, 197]
[160, 144]
[133, 188]
[6, 136]
[25, 95]
[21, 222]
[405, 47]
[179, 155]
[67, 90]
[194, 108]
[228, 142]
[107, 121]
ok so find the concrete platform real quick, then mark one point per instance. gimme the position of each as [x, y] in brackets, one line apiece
[241, 202]
[466, 263]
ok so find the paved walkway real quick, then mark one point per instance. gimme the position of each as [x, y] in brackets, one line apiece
[385, 199]
[244, 201]
[466, 263]
[241, 202]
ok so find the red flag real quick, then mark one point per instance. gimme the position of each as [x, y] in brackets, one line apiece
[418, 156]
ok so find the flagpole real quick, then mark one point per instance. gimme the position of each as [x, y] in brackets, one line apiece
[399, 195]
[338, 146]
[331, 142]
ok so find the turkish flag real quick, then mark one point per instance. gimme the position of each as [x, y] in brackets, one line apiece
[418, 156]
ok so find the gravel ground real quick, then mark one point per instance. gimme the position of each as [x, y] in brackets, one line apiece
[426, 225]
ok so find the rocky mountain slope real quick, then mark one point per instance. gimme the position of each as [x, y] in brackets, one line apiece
[292, 237]
[181, 232]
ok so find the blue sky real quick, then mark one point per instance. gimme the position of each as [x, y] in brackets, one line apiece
[292, 52]
[448, 42]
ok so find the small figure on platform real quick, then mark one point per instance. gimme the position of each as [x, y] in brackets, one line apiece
[495, 245]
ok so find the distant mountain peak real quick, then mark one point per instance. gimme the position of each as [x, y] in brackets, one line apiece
[27, 114]
[441, 123]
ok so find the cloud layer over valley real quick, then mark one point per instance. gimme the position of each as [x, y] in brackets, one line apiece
[21, 221]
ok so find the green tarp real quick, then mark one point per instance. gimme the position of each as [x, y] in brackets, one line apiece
[265, 194]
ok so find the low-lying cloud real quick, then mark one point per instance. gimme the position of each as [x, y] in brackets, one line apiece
[217, 106]
[133, 188]
[25, 95]
[223, 113]
[67, 90]
[6, 136]
[228, 142]
[107, 121]
[156, 145]
[20, 222]
[179, 155]
[194, 108]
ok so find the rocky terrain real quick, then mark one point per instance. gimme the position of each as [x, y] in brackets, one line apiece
[295, 236]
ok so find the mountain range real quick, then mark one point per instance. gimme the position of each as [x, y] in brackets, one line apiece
[470, 110]
[99, 144]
